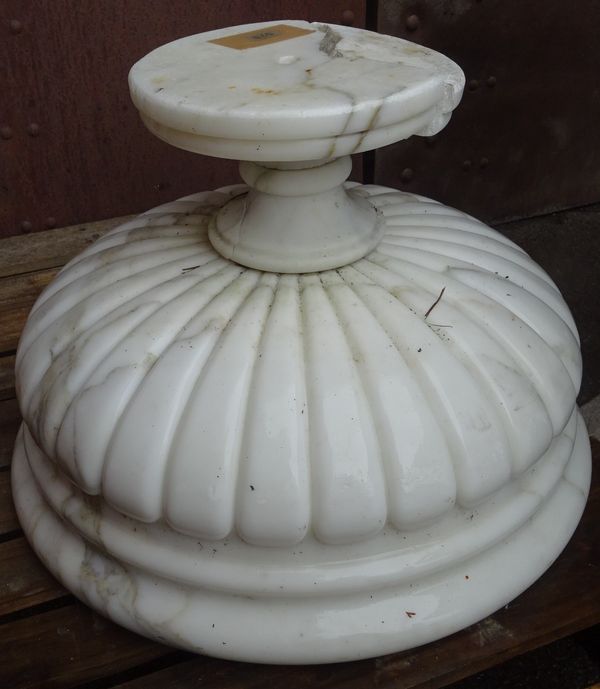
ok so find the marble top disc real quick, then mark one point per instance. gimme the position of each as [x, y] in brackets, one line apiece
[293, 90]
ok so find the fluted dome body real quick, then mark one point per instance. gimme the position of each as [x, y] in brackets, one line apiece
[185, 388]
[307, 455]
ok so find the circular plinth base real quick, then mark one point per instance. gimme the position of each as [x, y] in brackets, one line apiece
[318, 628]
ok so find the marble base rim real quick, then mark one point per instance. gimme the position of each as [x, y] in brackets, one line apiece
[322, 629]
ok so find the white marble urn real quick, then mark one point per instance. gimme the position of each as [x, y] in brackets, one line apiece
[299, 420]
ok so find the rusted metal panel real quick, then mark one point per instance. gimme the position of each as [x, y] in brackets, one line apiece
[72, 147]
[525, 139]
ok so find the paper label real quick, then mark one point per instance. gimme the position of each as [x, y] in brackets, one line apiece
[260, 37]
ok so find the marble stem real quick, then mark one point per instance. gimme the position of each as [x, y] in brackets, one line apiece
[298, 217]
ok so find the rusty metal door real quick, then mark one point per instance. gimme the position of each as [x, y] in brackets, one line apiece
[72, 147]
[526, 138]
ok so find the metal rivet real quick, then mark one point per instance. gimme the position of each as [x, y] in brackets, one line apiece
[473, 85]
[412, 22]
[6, 132]
[347, 17]
[50, 222]
[466, 166]
[483, 163]
[15, 26]
[407, 174]
[491, 82]
[26, 226]
[33, 129]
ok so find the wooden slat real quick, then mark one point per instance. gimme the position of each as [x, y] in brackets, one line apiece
[27, 264]
[7, 377]
[24, 581]
[10, 420]
[52, 248]
[8, 516]
[66, 647]
[17, 295]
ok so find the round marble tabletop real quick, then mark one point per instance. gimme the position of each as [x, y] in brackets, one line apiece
[293, 91]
